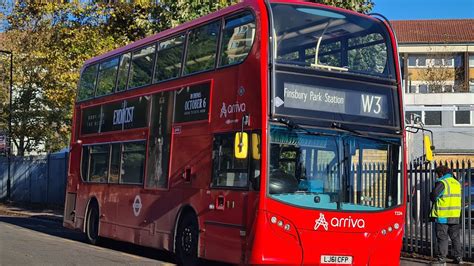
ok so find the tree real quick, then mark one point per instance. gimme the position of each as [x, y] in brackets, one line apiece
[51, 40]
[362, 6]
[443, 70]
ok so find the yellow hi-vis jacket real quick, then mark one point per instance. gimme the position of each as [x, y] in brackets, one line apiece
[448, 203]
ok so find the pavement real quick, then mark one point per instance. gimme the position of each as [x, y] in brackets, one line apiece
[56, 214]
[31, 210]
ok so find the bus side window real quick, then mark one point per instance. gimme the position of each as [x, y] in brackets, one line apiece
[87, 83]
[237, 38]
[255, 160]
[141, 69]
[133, 162]
[202, 48]
[107, 77]
[123, 70]
[168, 59]
[228, 171]
[85, 163]
[99, 163]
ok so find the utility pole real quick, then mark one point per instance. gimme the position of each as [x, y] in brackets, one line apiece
[9, 123]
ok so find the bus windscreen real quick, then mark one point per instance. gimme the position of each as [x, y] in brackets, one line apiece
[328, 40]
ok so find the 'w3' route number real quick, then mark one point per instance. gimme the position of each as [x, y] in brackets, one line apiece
[371, 104]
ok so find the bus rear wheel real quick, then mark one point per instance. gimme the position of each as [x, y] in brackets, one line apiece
[187, 237]
[92, 225]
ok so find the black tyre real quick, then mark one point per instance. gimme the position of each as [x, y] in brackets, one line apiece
[92, 225]
[187, 237]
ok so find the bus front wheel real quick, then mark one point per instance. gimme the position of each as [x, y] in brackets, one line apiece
[92, 225]
[187, 237]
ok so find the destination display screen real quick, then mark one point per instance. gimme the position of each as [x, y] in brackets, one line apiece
[340, 101]
[323, 98]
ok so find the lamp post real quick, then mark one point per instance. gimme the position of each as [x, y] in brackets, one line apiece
[9, 123]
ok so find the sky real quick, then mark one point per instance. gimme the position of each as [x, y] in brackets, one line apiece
[424, 9]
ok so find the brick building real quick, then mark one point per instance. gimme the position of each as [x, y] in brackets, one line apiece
[438, 79]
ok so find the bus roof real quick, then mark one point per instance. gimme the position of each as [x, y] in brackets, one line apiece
[211, 16]
[170, 32]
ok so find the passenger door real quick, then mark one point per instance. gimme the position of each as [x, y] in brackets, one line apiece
[232, 193]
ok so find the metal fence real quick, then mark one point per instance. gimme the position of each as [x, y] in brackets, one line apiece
[35, 179]
[420, 236]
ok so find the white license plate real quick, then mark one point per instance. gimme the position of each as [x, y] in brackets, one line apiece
[328, 259]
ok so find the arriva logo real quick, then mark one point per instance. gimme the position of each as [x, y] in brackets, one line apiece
[348, 222]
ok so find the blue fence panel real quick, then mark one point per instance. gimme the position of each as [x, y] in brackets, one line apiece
[39, 179]
[57, 173]
[20, 179]
[3, 177]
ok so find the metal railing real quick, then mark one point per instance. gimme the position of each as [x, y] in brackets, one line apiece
[420, 236]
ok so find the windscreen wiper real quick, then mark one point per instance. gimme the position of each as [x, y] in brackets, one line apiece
[292, 125]
[339, 126]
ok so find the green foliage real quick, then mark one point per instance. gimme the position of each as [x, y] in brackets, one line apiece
[362, 6]
[51, 40]
[50, 43]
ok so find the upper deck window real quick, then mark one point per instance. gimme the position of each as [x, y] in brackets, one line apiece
[202, 48]
[237, 38]
[142, 67]
[107, 76]
[168, 62]
[328, 40]
[123, 72]
[87, 83]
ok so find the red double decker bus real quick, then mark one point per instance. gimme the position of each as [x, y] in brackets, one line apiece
[266, 132]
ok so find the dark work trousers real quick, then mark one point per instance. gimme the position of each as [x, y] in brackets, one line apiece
[453, 231]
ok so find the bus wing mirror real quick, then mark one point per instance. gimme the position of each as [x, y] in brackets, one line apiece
[428, 148]
[241, 145]
[255, 146]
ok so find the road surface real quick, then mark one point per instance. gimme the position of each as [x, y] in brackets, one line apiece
[31, 241]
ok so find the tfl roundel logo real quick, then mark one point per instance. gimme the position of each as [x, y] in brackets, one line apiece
[137, 205]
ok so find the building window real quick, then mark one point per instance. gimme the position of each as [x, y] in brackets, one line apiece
[432, 118]
[471, 61]
[449, 61]
[421, 61]
[423, 88]
[412, 117]
[436, 88]
[448, 88]
[463, 116]
[411, 61]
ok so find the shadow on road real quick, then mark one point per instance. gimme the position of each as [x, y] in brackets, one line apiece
[55, 228]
